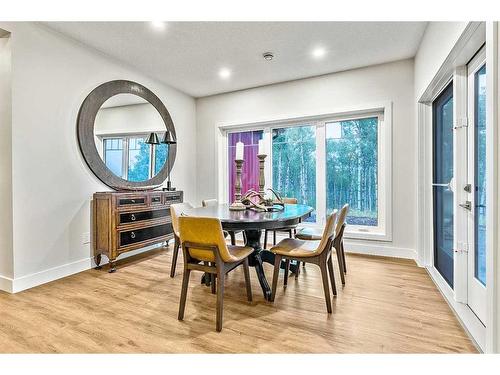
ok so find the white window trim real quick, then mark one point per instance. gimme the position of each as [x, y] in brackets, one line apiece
[383, 110]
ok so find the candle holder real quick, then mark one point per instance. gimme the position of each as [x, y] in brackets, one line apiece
[262, 178]
[237, 205]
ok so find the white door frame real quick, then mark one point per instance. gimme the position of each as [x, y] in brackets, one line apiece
[466, 46]
[476, 292]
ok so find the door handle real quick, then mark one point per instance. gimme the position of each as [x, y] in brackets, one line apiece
[467, 205]
[447, 186]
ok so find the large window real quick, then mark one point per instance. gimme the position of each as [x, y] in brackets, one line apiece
[294, 164]
[129, 157]
[351, 169]
[324, 162]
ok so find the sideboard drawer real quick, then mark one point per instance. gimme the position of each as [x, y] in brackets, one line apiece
[174, 198]
[133, 236]
[132, 217]
[156, 199]
[132, 201]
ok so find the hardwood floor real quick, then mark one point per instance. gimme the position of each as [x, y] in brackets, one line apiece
[387, 306]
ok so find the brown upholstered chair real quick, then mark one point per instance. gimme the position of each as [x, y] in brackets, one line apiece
[314, 234]
[316, 252]
[289, 230]
[232, 234]
[205, 250]
[176, 211]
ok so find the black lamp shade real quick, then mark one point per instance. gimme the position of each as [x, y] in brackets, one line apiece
[153, 139]
[169, 139]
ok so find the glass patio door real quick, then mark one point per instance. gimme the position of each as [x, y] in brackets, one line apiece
[477, 175]
[443, 204]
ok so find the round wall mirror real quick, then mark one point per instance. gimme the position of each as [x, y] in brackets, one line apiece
[122, 127]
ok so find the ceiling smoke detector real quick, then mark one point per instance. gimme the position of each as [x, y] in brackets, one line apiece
[268, 56]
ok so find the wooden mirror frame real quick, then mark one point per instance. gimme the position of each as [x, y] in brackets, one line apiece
[85, 129]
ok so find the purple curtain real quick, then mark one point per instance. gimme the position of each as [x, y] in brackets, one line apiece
[250, 170]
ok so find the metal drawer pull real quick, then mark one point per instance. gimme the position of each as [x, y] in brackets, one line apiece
[132, 235]
[132, 217]
[132, 200]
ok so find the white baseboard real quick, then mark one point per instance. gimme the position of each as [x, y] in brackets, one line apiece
[380, 250]
[5, 284]
[35, 279]
[29, 281]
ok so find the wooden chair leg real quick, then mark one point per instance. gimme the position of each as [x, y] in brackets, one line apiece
[287, 270]
[233, 238]
[332, 274]
[274, 238]
[208, 276]
[343, 256]
[220, 298]
[177, 245]
[185, 281]
[277, 263]
[326, 288]
[265, 239]
[213, 282]
[248, 283]
[297, 270]
[341, 265]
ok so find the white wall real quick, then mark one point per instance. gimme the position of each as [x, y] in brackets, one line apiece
[6, 260]
[324, 94]
[437, 42]
[52, 186]
[135, 118]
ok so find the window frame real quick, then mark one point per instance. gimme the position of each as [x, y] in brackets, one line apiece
[383, 111]
[125, 137]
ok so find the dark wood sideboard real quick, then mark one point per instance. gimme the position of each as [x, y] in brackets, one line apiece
[126, 221]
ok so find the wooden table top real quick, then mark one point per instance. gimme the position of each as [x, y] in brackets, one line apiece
[251, 219]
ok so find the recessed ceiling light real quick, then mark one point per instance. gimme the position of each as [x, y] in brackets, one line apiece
[224, 73]
[159, 25]
[268, 56]
[319, 52]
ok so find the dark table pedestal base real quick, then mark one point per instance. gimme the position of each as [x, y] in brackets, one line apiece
[255, 259]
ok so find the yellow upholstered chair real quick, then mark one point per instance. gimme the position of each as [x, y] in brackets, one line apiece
[205, 249]
[314, 234]
[316, 252]
[176, 211]
[231, 233]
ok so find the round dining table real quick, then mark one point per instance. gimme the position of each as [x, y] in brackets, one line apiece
[253, 222]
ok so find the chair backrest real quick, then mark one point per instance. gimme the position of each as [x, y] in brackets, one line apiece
[209, 202]
[289, 200]
[328, 232]
[176, 210]
[342, 216]
[203, 231]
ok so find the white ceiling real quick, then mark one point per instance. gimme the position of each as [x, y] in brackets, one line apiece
[189, 55]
